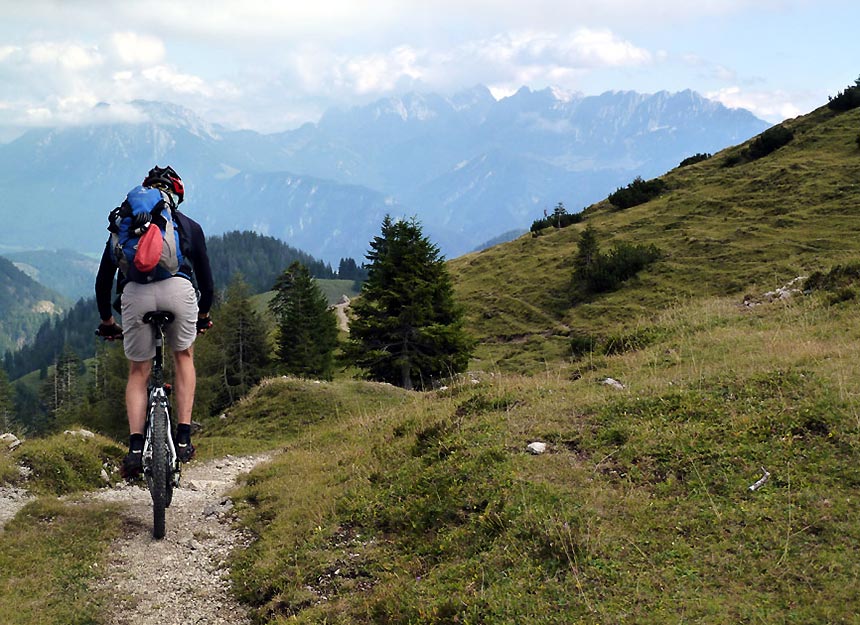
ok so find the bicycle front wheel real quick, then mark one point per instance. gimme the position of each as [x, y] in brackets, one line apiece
[160, 473]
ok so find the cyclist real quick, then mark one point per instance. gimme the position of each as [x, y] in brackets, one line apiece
[176, 294]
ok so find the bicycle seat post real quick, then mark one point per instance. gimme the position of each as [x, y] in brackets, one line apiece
[158, 319]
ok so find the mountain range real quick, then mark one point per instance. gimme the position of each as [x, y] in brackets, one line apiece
[470, 167]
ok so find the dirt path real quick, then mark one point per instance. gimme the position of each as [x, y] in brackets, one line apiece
[342, 317]
[11, 500]
[181, 579]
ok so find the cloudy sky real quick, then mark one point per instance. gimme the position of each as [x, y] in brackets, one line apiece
[270, 65]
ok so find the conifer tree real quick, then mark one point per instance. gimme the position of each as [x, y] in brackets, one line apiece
[307, 328]
[587, 254]
[408, 330]
[558, 214]
[60, 392]
[238, 348]
[7, 404]
[105, 401]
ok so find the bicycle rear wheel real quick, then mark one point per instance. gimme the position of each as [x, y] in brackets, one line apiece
[160, 472]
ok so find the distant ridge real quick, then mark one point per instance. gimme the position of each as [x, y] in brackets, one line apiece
[468, 166]
[24, 305]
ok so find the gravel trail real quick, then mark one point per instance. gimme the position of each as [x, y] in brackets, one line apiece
[181, 579]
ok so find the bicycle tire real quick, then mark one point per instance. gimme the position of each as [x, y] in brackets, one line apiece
[169, 486]
[160, 469]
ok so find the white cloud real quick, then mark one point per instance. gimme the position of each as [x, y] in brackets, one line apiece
[597, 48]
[70, 56]
[583, 48]
[773, 106]
[7, 51]
[507, 61]
[269, 65]
[378, 73]
[137, 50]
[174, 81]
[61, 82]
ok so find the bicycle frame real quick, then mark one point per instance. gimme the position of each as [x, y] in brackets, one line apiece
[160, 479]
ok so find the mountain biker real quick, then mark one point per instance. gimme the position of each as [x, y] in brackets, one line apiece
[175, 294]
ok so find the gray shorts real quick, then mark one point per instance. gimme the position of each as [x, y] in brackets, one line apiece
[175, 295]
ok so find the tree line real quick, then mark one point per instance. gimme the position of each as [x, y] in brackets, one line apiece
[406, 330]
[258, 258]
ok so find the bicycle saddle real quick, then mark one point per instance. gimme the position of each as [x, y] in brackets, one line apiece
[158, 317]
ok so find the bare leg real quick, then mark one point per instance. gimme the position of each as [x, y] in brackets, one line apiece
[186, 383]
[135, 395]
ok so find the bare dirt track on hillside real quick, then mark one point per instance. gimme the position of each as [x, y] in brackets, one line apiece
[11, 500]
[181, 579]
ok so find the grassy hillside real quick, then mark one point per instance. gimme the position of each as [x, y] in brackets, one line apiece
[723, 231]
[24, 305]
[51, 552]
[410, 508]
[403, 508]
[432, 511]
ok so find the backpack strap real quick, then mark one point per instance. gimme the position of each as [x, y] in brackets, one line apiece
[185, 245]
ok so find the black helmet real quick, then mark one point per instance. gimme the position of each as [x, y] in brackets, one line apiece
[166, 178]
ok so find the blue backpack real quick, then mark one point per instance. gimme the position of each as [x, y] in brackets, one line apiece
[145, 208]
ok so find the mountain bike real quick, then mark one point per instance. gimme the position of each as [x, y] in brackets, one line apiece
[161, 468]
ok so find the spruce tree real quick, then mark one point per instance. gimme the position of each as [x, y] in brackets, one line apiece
[235, 351]
[105, 398]
[587, 254]
[307, 328]
[7, 403]
[408, 330]
[61, 393]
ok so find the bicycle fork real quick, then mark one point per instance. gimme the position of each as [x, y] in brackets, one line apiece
[158, 396]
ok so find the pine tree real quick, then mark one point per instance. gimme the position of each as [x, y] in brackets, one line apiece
[7, 404]
[61, 392]
[558, 214]
[408, 330]
[106, 390]
[588, 253]
[238, 357]
[307, 328]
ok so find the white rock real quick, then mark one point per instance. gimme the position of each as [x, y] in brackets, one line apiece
[80, 433]
[536, 448]
[10, 439]
[613, 383]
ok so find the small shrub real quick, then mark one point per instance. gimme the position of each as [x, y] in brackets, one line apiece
[845, 294]
[696, 158]
[847, 99]
[770, 140]
[623, 262]
[9, 473]
[581, 345]
[630, 342]
[732, 160]
[637, 192]
[838, 278]
[553, 221]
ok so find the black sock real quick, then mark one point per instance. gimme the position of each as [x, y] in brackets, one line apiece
[183, 433]
[135, 442]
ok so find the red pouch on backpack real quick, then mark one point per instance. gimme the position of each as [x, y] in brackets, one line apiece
[148, 249]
